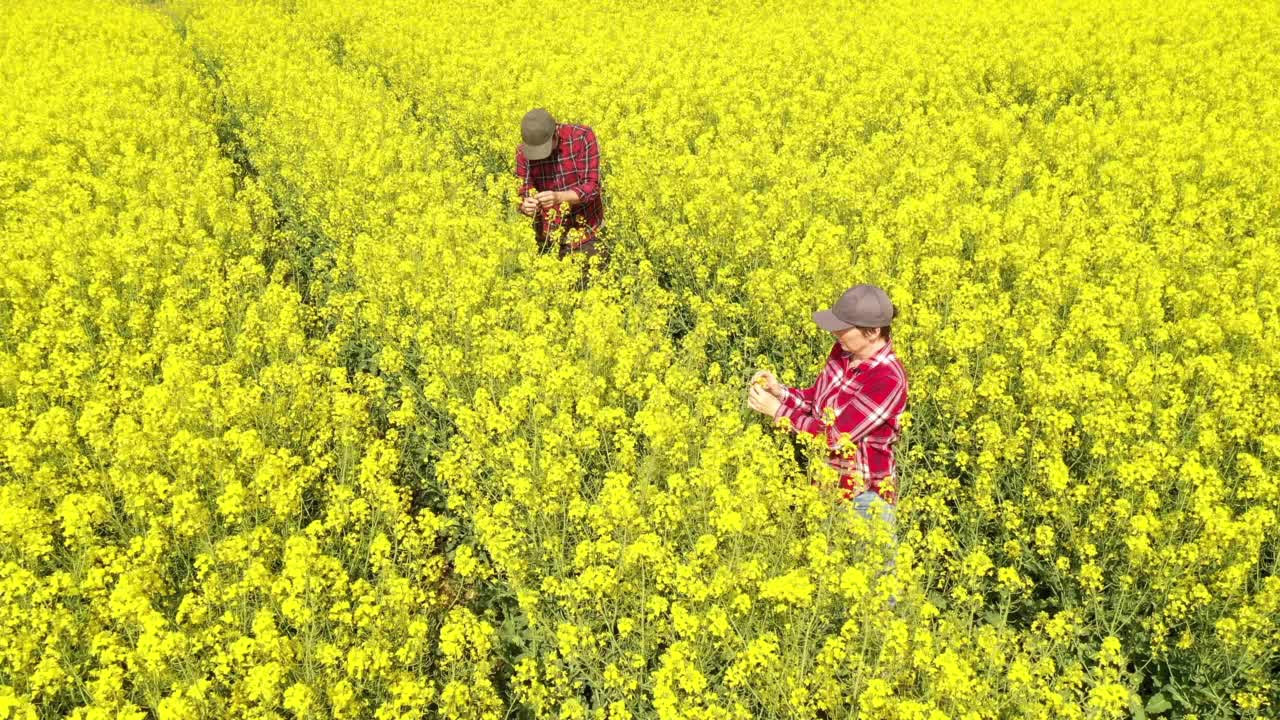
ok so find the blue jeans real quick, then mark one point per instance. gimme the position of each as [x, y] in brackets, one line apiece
[862, 503]
[865, 504]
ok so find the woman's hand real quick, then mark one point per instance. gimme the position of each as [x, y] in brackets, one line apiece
[766, 380]
[762, 401]
[528, 206]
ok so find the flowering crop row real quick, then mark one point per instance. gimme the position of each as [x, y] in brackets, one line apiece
[199, 517]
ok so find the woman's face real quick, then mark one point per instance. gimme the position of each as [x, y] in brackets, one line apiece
[853, 341]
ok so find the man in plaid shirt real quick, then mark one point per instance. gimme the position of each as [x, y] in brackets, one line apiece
[855, 402]
[559, 170]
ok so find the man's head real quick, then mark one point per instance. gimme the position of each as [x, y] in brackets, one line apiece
[860, 319]
[538, 130]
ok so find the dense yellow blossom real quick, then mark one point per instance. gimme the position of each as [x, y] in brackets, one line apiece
[295, 422]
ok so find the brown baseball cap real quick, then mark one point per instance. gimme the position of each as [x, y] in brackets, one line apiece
[860, 306]
[538, 129]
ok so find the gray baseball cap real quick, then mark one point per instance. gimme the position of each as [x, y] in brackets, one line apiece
[860, 306]
[538, 129]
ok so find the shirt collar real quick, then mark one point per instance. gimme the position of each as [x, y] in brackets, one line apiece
[882, 356]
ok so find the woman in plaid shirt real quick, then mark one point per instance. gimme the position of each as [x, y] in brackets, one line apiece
[856, 400]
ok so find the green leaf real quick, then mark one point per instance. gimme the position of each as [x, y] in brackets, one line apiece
[1135, 707]
[1158, 704]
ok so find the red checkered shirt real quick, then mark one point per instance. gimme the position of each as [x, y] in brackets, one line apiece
[856, 405]
[573, 165]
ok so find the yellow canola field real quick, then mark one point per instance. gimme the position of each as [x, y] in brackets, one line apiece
[295, 423]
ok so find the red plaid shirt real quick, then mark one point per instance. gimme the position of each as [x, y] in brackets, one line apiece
[573, 165]
[856, 406]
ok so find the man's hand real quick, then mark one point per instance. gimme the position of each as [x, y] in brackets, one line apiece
[547, 199]
[528, 206]
[761, 401]
[767, 380]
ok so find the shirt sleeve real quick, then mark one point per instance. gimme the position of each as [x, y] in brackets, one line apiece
[802, 398]
[857, 412]
[803, 418]
[522, 172]
[798, 398]
[587, 164]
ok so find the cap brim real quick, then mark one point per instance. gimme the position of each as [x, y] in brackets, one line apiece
[539, 152]
[829, 322]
